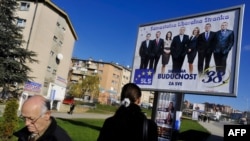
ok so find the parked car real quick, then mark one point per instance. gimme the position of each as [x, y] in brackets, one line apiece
[68, 100]
[243, 121]
[214, 118]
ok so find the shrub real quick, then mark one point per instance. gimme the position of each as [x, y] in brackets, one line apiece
[10, 120]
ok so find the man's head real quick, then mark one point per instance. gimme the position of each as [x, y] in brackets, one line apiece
[36, 114]
[148, 36]
[158, 34]
[207, 27]
[182, 30]
[224, 26]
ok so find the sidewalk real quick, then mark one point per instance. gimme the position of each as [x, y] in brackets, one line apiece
[216, 132]
[81, 115]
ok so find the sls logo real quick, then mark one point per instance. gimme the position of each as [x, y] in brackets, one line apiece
[241, 132]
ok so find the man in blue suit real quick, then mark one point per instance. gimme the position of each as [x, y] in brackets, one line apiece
[224, 43]
[157, 49]
[179, 50]
[205, 47]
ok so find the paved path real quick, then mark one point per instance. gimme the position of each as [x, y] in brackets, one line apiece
[216, 131]
[81, 115]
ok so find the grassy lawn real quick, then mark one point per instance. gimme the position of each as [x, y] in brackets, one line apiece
[82, 129]
[88, 129]
[107, 109]
[192, 130]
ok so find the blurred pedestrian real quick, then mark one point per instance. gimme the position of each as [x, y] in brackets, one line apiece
[71, 109]
[129, 123]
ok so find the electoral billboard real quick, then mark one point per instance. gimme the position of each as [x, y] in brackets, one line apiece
[196, 54]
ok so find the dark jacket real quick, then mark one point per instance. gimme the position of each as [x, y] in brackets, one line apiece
[127, 125]
[179, 48]
[145, 51]
[204, 45]
[53, 133]
[157, 49]
[224, 42]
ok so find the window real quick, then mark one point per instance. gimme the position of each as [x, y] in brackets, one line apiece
[63, 29]
[58, 24]
[60, 43]
[55, 38]
[101, 65]
[54, 72]
[24, 6]
[48, 68]
[21, 22]
[52, 53]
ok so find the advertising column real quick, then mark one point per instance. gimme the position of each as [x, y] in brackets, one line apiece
[167, 119]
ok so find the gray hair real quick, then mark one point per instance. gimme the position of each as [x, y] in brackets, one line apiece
[45, 106]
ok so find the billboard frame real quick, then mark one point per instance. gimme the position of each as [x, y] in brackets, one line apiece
[235, 57]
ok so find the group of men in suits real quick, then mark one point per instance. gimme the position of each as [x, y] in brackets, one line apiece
[151, 51]
[217, 43]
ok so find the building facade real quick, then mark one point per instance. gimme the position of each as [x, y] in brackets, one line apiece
[47, 30]
[112, 77]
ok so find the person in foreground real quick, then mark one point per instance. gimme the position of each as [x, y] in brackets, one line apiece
[39, 124]
[127, 123]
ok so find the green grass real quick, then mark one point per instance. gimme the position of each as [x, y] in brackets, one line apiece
[107, 109]
[82, 129]
[88, 129]
[192, 130]
[103, 109]
[188, 124]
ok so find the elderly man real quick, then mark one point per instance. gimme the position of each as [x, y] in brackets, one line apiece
[39, 124]
[224, 43]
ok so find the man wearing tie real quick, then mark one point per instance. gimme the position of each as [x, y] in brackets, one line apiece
[205, 47]
[157, 49]
[179, 49]
[224, 43]
[145, 52]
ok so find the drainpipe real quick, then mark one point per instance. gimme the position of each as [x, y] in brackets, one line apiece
[32, 24]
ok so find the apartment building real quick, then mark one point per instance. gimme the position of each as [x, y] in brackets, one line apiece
[49, 32]
[112, 77]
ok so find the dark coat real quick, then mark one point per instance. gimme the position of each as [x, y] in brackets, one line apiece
[206, 46]
[178, 48]
[157, 49]
[53, 133]
[193, 46]
[224, 42]
[127, 125]
[145, 51]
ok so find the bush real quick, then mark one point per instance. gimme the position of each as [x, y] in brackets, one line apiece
[10, 120]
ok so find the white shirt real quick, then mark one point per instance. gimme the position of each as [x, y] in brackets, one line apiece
[181, 37]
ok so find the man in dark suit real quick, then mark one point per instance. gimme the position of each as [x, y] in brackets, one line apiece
[224, 43]
[157, 49]
[145, 52]
[179, 49]
[205, 47]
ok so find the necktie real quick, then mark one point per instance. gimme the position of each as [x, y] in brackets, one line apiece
[32, 137]
[224, 32]
[206, 36]
[157, 41]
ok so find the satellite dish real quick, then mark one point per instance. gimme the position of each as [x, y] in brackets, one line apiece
[59, 56]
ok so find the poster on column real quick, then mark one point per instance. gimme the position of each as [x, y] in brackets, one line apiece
[165, 115]
[196, 54]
